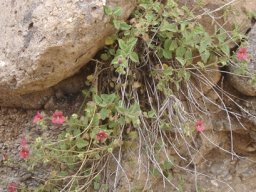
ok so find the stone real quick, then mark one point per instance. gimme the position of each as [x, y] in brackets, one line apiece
[203, 81]
[248, 111]
[223, 13]
[243, 83]
[45, 42]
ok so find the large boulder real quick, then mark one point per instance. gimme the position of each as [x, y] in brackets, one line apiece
[244, 83]
[45, 42]
[227, 15]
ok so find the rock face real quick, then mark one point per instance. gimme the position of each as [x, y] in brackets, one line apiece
[44, 42]
[223, 13]
[244, 84]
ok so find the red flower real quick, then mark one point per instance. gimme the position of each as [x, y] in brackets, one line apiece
[24, 152]
[38, 117]
[12, 187]
[242, 54]
[58, 118]
[101, 135]
[200, 126]
[24, 141]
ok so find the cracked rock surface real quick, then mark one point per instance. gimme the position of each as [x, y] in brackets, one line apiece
[45, 42]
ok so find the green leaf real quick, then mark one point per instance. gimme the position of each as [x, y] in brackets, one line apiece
[173, 45]
[135, 109]
[122, 110]
[121, 121]
[183, 26]
[198, 29]
[81, 143]
[115, 60]
[204, 44]
[151, 114]
[222, 36]
[117, 11]
[181, 61]
[121, 25]
[188, 55]
[112, 52]
[108, 10]
[113, 124]
[157, 7]
[167, 165]
[104, 113]
[98, 100]
[108, 98]
[167, 54]
[134, 57]
[200, 64]
[120, 70]
[76, 132]
[186, 75]
[167, 44]
[109, 40]
[84, 120]
[166, 26]
[180, 51]
[225, 49]
[122, 44]
[104, 56]
[96, 186]
[132, 42]
[205, 56]
[124, 26]
[110, 150]
[159, 52]
[116, 24]
[133, 135]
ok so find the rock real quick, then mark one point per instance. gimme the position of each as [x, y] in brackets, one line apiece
[248, 110]
[243, 83]
[202, 82]
[222, 13]
[45, 42]
[245, 169]
[209, 141]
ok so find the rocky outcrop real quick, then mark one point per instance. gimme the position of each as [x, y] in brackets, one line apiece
[214, 15]
[224, 14]
[45, 42]
[242, 83]
[248, 110]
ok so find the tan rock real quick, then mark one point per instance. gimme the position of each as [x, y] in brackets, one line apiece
[244, 82]
[223, 13]
[44, 42]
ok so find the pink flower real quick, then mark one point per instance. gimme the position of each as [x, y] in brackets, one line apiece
[38, 117]
[58, 118]
[242, 54]
[24, 152]
[101, 136]
[200, 126]
[24, 141]
[12, 187]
